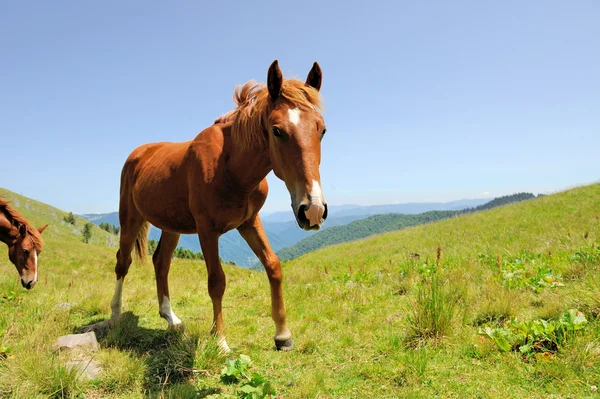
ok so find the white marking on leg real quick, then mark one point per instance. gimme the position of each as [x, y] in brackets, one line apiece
[316, 209]
[294, 116]
[167, 313]
[223, 345]
[115, 304]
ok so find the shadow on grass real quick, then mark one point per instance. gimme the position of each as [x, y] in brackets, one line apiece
[169, 355]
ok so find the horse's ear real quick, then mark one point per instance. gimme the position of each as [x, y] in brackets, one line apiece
[22, 230]
[274, 80]
[41, 229]
[315, 76]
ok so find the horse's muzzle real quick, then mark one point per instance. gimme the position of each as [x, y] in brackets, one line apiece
[311, 216]
[29, 285]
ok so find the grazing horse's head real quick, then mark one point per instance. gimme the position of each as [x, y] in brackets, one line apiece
[24, 252]
[295, 129]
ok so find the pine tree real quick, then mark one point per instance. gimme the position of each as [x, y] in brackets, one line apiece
[87, 232]
[70, 218]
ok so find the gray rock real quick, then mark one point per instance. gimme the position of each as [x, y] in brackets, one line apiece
[86, 341]
[87, 368]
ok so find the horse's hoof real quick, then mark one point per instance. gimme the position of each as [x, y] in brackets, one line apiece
[285, 346]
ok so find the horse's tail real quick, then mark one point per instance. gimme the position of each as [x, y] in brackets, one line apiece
[141, 243]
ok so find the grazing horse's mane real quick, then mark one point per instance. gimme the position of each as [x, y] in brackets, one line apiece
[253, 108]
[17, 219]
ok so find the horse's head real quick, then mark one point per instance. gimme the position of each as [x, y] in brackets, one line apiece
[24, 254]
[295, 130]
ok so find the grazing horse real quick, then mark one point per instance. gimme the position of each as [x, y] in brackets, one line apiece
[217, 182]
[24, 242]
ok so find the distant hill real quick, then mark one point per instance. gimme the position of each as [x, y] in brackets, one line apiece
[384, 223]
[283, 231]
[360, 211]
[97, 218]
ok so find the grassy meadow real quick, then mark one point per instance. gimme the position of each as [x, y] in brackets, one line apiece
[498, 304]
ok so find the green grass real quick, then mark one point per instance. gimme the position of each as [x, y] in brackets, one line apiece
[356, 311]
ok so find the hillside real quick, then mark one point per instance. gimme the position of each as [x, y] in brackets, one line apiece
[383, 223]
[58, 230]
[371, 318]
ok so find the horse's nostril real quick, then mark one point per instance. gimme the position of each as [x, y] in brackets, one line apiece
[325, 212]
[28, 285]
[302, 213]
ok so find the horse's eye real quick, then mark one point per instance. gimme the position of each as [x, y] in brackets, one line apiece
[323, 133]
[277, 132]
[26, 252]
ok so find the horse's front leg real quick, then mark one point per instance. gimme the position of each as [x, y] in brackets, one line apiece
[254, 234]
[209, 242]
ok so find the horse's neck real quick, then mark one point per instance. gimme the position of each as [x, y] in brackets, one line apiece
[249, 167]
[6, 228]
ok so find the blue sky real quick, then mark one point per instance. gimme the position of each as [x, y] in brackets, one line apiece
[425, 101]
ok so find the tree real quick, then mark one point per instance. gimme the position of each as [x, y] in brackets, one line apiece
[70, 218]
[152, 244]
[184, 253]
[179, 253]
[109, 228]
[87, 232]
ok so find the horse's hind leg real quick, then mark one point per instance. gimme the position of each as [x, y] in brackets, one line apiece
[162, 263]
[132, 226]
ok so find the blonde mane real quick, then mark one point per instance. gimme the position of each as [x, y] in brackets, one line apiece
[17, 219]
[254, 106]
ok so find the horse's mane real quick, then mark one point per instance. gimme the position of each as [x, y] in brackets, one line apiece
[18, 219]
[253, 108]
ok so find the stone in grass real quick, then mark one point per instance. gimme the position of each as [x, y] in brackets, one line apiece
[86, 341]
[86, 368]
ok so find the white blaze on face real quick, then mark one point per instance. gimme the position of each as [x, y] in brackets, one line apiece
[167, 313]
[35, 259]
[35, 262]
[294, 116]
[316, 208]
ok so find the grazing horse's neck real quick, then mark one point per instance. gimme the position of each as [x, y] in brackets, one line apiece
[6, 229]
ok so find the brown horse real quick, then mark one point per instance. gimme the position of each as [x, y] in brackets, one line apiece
[24, 242]
[217, 182]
